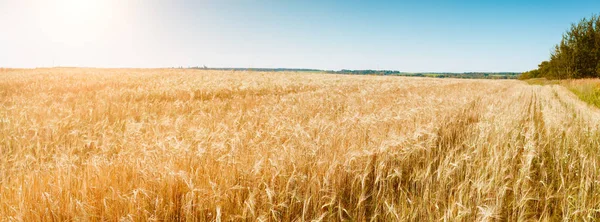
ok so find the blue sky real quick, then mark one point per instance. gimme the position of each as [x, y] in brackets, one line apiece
[412, 36]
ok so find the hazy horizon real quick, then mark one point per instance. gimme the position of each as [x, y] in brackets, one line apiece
[433, 36]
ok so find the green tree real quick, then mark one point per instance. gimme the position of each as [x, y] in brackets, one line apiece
[576, 56]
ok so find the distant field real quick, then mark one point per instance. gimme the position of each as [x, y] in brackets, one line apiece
[198, 145]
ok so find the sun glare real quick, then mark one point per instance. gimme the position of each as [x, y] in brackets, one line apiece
[73, 22]
[78, 9]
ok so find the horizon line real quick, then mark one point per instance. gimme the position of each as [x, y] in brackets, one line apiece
[263, 68]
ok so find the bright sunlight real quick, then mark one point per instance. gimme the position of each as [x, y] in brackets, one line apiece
[74, 22]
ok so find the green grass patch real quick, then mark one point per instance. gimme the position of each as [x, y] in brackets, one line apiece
[589, 93]
[588, 90]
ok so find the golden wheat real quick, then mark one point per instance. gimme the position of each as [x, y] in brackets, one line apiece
[189, 145]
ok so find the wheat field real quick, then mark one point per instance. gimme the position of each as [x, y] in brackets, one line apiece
[193, 145]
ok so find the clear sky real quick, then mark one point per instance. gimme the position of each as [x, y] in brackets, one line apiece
[412, 36]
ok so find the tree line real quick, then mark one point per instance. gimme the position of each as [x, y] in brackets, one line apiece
[576, 56]
[464, 75]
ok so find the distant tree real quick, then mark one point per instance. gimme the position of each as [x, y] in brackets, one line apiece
[576, 56]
